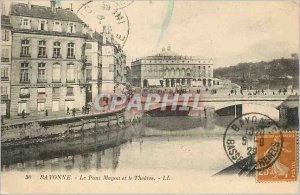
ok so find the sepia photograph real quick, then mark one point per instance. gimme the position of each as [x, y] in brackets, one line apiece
[149, 97]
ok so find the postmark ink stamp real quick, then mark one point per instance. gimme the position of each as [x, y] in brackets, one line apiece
[246, 135]
[100, 14]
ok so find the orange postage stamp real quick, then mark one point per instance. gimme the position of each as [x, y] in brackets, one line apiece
[285, 167]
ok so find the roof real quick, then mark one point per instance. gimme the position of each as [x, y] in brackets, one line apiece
[37, 11]
[95, 36]
[5, 22]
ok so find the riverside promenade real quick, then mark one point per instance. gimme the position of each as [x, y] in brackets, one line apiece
[41, 125]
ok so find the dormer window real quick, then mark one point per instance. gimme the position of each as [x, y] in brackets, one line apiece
[43, 25]
[71, 28]
[25, 23]
[57, 26]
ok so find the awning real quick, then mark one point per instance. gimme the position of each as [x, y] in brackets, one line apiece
[154, 82]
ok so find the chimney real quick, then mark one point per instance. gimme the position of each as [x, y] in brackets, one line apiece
[71, 6]
[53, 6]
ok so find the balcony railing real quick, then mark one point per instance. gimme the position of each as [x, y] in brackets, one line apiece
[71, 57]
[42, 80]
[42, 56]
[70, 94]
[3, 59]
[25, 55]
[4, 97]
[55, 95]
[56, 56]
[4, 78]
[24, 80]
[25, 95]
[56, 80]
[70, 80]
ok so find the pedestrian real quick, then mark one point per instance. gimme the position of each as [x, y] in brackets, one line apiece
[23, 113]
[73, 111]
[68, 110]
[46, 112]
[273, 92]
[83, 109]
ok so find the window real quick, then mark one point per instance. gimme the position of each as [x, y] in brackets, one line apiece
[89, 59]
[4, 90]
[43, 25]
[41, 106]
[70, 73]
[22, 106]
[88, 74]
[24, 93]
[56, 73]
[24, 77]
[71, 28]
[88, 46]
[41, 90]
[55, 92]
[25, 48]
[25, 23]
[70, 91]
[56, 50]
[57, 26]
[4, 74]
[42, 72]
[42, 49]
[5, 55]
[70, 50]
[5, 35]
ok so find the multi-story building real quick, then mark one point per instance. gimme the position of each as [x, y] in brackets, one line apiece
[47, 59]
[6, 41]
[113, 61]
[93, 51]
[167, 69]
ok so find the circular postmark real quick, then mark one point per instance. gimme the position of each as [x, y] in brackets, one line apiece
[253, 141]
[106, 19]
[120, 4]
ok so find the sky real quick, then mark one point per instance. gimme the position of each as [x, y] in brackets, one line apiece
[229, 32]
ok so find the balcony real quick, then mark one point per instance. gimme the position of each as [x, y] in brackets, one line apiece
[4, 97]
[42, 80]
[56, 56]
[56, 80]
[25, 55]
[70, 80]
[4, 78]
[24, 95]
[42, 56]
[24, 80]
[3, 59]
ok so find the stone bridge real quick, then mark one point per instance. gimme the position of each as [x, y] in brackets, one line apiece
[219, 102]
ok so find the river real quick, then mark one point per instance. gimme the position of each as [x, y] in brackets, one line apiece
[146, 145]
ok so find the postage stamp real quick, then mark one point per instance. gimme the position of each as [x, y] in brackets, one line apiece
[285, 167]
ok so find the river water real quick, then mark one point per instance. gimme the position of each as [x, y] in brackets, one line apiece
[185, 144]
